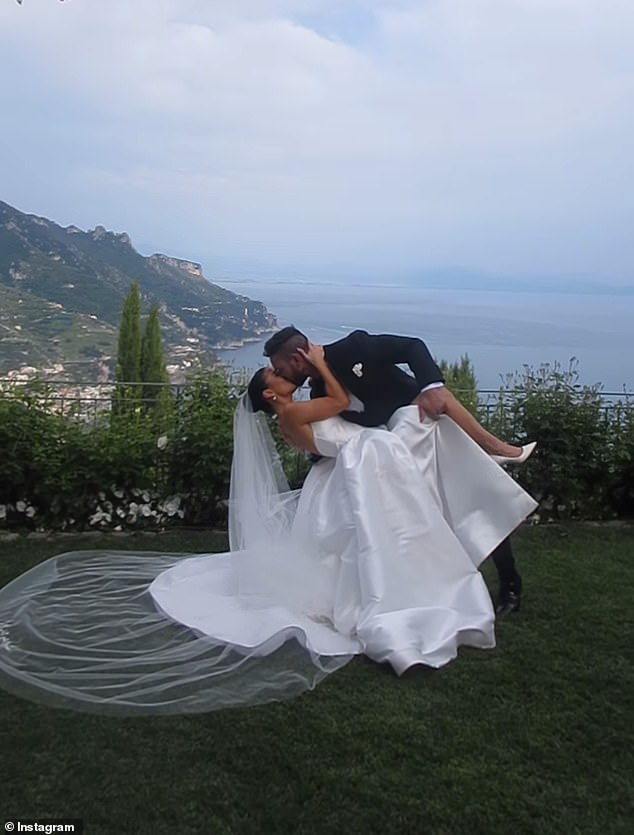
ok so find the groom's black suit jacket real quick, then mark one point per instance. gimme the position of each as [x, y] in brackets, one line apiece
[367, 365]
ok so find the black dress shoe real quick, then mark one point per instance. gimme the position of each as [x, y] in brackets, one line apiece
[508, 602]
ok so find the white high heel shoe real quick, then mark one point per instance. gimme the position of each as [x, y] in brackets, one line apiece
[527, 451]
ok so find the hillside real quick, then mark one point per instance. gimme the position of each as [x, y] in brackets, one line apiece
[62, 292]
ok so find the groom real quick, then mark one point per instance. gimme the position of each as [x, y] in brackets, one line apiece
[367, 366]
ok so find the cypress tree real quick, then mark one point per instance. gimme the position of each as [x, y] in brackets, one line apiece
[129, 350]
[152, 357]
[460, 379]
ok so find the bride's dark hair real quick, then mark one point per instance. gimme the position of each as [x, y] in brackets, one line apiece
[257, 384]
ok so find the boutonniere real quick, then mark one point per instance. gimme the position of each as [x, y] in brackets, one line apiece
[357, 369]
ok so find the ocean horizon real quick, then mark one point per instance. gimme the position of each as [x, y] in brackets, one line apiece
[502, 331]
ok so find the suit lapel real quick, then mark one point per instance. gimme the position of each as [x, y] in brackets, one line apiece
[343, 361]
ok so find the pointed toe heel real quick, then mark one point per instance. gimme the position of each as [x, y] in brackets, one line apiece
[527, 451]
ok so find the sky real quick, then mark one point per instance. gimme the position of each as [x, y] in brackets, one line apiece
[321, 137]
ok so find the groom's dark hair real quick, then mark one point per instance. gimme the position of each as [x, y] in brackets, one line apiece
[286, 341]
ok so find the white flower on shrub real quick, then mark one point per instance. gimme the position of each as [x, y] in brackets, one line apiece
[99, 517]
[146, 510]
[120, 512]
[118, 493]
[20, 506]
[162, 442]
[3, 511]
[30, 511]
[171, 505]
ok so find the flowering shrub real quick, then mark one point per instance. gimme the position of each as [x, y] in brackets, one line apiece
[117, 473]
[199, 448]
[584, 466]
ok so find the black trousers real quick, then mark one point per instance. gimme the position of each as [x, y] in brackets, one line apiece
[504, 561]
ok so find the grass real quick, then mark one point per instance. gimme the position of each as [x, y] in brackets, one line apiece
[533, 737]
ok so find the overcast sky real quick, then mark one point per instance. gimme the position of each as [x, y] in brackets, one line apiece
[377, 135]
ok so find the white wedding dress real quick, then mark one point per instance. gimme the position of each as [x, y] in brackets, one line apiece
[381, 556]
[377, 554]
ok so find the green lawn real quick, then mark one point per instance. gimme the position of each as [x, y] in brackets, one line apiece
[533, 737]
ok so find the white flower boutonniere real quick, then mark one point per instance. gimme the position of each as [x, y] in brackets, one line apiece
[357, 369]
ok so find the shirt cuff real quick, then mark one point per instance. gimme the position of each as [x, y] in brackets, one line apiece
[430, 386]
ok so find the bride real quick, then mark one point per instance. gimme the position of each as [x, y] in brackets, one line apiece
[377, 554]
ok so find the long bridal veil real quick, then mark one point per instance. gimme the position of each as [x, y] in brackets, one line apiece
[261, 503]
[83, 631]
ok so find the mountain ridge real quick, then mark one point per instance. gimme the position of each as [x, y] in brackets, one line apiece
[62, 291]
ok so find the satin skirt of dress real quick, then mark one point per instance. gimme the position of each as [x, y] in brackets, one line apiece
[479, 500]
[371, 566]
[404, 586]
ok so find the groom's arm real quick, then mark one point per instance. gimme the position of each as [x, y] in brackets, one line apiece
[403, 350]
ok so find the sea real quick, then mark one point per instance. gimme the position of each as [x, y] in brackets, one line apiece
[502, 332]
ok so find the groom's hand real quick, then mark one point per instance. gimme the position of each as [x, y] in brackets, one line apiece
[432, 402]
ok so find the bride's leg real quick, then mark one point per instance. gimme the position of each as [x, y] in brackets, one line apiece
[466, 421]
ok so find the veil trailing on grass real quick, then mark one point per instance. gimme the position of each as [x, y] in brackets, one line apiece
[82, 630]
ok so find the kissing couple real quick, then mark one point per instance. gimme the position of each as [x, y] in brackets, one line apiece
[377, 554]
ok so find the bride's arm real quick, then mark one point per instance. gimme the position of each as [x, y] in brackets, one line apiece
[336, 400]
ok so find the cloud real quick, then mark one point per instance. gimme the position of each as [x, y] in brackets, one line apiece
[462, 131]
